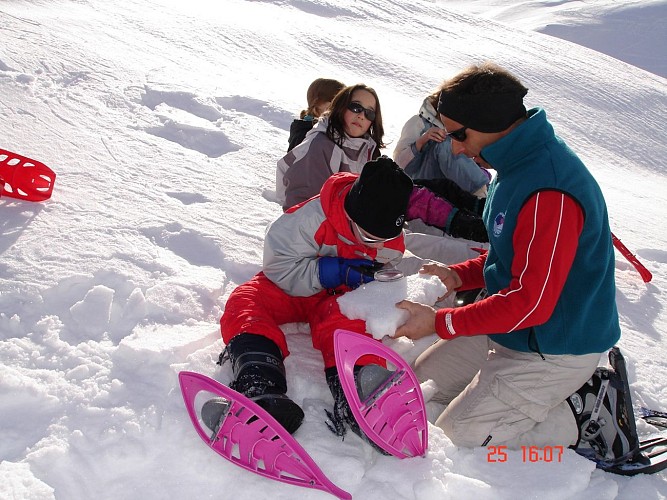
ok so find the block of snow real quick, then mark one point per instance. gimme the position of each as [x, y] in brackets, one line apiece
[92, 314]
[376, 301]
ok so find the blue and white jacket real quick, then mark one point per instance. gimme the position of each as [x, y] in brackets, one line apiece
[436, 160]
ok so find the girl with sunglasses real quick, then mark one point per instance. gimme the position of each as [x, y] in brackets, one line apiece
[343, 140]
[424, 150]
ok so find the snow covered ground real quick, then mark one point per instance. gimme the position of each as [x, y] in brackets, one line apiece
[633, 31]
[164, 120]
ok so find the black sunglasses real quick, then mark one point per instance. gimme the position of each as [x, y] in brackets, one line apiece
[459, 134]
[357, 108]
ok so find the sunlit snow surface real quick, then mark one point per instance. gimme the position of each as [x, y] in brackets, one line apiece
[164, 121]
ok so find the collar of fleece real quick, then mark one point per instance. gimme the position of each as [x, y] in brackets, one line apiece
[349, 143]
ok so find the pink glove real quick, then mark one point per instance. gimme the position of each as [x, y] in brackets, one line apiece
[428, 207]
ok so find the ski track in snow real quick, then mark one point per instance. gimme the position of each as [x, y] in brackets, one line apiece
[165, 144]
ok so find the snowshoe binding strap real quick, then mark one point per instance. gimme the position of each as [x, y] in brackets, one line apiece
[393, 415]
[248, 436]
[592, 430]
[650, 455]
[25, 179]
[617, 362]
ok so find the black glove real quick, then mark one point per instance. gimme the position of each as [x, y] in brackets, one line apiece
[468, 225]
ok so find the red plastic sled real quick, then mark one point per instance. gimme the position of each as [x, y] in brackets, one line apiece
[251, 438]
[23, 178]
[394, 415]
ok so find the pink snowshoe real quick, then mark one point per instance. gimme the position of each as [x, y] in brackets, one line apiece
[251, 438]
[392, 415]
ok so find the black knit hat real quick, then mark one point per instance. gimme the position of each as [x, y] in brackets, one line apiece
[485, 112]
[379, 198]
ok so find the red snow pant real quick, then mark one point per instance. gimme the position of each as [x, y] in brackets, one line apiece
[259, 306]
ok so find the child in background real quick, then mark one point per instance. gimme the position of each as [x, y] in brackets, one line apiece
[344, 140]
[319, 96]
[424, 150]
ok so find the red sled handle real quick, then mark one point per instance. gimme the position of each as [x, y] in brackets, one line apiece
[24, 178]
[632, 259]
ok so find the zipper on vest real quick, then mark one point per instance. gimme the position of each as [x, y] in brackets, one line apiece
[533, 344]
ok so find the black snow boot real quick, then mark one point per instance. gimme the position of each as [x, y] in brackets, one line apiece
[606, 431]
[259, 374]
[468, 225]
[367, 379]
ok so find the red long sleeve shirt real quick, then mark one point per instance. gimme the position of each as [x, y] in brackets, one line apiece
[545, 242]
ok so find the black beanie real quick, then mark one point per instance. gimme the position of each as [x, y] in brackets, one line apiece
[486, 112]
[379, 198]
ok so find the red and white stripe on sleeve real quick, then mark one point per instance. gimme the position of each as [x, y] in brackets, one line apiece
[545, 242]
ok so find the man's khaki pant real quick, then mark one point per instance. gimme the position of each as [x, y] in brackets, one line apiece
[498, 396]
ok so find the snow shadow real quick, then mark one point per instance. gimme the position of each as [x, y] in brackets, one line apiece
[212, 143]
[186, 101]
[277, 117]
[195, 248]
[323, 10]
[609, 35]
[188, 198]
[16, 215]
[188, 120]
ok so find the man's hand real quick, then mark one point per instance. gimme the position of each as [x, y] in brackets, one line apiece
[450, 278]
[420, 323]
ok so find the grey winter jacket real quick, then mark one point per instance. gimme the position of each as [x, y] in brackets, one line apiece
[301, 173]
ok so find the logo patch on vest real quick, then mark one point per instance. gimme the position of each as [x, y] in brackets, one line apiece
[498, 224]
[400, 220]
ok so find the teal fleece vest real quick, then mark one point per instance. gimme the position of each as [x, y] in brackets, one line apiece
[530, 159]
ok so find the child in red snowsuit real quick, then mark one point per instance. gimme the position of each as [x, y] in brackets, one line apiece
[317, 250]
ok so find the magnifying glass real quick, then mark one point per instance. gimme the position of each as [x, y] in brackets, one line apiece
[388, 275]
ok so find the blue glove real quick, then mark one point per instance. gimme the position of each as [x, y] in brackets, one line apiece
[337, 271]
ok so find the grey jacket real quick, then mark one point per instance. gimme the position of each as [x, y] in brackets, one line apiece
[296, 240]
[301, 173]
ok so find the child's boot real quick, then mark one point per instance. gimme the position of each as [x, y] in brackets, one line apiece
[259, 374]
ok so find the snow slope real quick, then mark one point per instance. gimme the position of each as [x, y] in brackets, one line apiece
[633, 31]
[163, 121]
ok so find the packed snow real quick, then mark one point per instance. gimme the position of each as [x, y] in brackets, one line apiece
[375, 302]
[164, 120]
